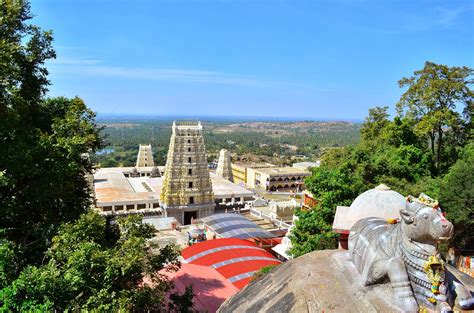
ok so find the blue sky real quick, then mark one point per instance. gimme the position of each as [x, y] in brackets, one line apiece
[315, 59]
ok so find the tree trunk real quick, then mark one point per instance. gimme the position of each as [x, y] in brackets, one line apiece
[432, 146]
[439, 148]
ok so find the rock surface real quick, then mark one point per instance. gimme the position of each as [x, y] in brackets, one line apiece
[316, 282]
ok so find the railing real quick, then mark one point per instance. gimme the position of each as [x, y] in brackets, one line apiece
[146, 212]
[286, 203]
[187, 123]
[276, 222]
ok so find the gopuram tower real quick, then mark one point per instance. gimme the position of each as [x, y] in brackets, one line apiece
[187, 189]
[145, 156]
[224, 167]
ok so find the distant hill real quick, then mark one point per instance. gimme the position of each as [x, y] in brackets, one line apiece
[274, 141]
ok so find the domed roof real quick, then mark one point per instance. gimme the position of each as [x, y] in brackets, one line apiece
[381, 202]
[378, 202]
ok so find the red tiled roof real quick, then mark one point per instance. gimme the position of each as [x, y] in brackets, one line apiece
[242, 283]
[235, 259]
[210, 288]
[219, 256]
[233, 269]
[209, 244]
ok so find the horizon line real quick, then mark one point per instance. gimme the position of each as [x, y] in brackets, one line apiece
[229, 117]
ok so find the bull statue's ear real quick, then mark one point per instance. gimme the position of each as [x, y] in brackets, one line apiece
[406, 216]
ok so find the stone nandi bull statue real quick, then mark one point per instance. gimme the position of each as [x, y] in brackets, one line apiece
[405, 253]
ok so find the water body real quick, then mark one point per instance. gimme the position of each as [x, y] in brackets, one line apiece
[105, 151]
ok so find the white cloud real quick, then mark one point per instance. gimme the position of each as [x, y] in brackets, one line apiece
[93, 68]
[432, 18]
[73, 61]
[447, 16]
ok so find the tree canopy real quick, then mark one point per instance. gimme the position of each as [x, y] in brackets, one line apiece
[43, 142]
[395, 152]
[433, 94]
[94, 264]
[457, 198]
[54, 253]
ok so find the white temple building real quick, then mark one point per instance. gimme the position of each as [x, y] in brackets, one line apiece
[145, 156]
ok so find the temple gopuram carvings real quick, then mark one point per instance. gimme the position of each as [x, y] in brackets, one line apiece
[187, 189]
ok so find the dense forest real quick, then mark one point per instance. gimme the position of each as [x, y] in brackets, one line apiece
[427, 147]
[272, 140]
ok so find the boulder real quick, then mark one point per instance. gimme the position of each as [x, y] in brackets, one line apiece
[319, 281]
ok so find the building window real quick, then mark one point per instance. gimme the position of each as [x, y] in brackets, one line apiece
[189, 160]
[189, 149]
[191, 200]
[189, 140]
[190, 184]
[190, 171]
[146, 164]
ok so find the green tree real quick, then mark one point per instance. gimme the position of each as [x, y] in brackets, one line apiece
[312, 231]
[457, 198]
[374, 123]
[182, 303]
[94, 264]
[468, 116]
[394, 152]
[313, 228]
[43, 142]
[389, 153]
[400, 132]
[53, 257]
[24, 48]
[262, 272]
[431, 99]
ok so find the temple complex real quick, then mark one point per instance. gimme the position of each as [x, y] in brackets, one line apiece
[119, 191]
[187, 190]
[141, 190]
[145, 156]
[224, 166]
